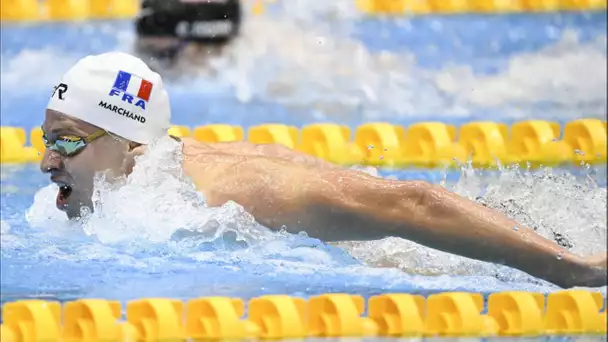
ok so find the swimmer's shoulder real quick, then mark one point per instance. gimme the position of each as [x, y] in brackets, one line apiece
[239, 148]
[191, 145]
[200, 162]
[186, 141]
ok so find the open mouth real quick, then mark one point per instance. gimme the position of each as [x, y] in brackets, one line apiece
[62, 196]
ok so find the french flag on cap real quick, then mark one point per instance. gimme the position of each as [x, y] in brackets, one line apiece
[133, 85]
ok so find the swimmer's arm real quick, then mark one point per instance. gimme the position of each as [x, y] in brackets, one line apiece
[434, 217]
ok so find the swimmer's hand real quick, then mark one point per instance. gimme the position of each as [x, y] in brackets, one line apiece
[129, 161]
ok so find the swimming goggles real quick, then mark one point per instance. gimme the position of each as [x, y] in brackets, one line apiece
[71, 145]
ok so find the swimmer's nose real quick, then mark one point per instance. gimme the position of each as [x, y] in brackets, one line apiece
[51, 161]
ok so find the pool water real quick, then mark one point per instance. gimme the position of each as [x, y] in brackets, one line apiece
[154, 238]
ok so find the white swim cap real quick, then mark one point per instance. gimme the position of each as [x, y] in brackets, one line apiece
[116, 92]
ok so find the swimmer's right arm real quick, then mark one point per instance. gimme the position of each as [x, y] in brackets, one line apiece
[338, 204]
[434, 217]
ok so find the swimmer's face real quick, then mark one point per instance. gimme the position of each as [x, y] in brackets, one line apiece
[75, 172]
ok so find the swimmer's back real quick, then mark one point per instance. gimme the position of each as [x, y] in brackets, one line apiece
[212, 164]
[240, 150]
[280, 187]
[265, 181]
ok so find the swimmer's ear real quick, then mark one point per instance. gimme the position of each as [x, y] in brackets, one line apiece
[134, 150]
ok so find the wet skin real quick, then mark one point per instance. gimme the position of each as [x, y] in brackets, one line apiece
[282, 188]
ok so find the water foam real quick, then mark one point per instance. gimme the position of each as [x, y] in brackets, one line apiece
[5, 227]
[578, 90]
[33, 70]
[157, 208]
[296, 61]
[306, 58]
[305, 62]
[156, 192]
[561, 207]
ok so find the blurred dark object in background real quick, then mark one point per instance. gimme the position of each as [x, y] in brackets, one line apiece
[185, 31]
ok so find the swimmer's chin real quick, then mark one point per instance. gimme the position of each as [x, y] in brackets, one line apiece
[75, 212]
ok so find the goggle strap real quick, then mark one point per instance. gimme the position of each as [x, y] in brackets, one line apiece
[94, 136]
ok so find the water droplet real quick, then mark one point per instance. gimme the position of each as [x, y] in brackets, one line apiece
[579, 152]
[381, 157]
[370, 147]
[515, 228]
[560, 255]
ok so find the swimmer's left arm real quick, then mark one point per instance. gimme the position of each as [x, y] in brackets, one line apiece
[437, 218]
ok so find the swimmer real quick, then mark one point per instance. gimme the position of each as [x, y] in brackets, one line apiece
[175, 34]
[109, 107]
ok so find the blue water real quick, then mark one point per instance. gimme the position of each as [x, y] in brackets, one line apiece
[61, 262]
[483, 43]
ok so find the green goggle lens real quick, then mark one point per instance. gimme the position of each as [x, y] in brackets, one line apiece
[71, 145]
[67, 146]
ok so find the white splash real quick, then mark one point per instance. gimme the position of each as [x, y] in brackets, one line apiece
[43, 213]
[305, 58]
[157, 204]
[34, 70]
[557, 205]
[570, 75]
[5, 228]
[305, 61]
[308, 63]
[157, 200]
